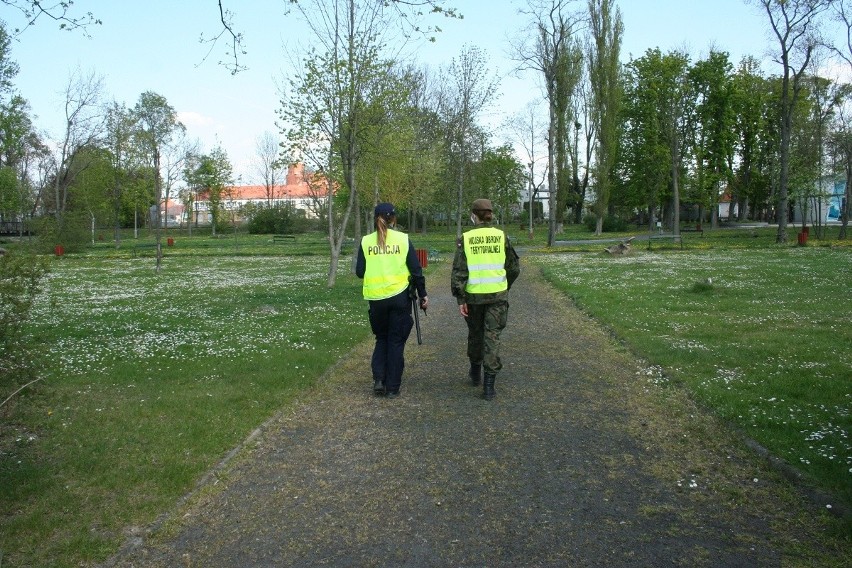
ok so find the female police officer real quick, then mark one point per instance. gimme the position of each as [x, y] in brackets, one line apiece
[386, 262]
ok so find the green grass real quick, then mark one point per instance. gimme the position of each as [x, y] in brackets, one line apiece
[202, 243]
[767, 343]
[149, 380]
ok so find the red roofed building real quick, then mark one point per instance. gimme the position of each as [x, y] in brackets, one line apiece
[301, 190]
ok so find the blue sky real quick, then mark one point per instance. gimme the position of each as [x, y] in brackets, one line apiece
[153, 45]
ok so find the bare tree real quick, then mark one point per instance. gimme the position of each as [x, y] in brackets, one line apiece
[268, 164]
[795, 24]
[468, 90]
[547, 49]
[175, 155]
[84, 124]
[528, 129]
[842, 13]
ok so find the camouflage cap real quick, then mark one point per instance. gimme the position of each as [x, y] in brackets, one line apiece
[481, 205]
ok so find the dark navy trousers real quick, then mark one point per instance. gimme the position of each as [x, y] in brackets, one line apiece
[391, 322]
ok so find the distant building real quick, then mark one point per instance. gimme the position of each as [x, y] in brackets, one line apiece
[304, 191]
[826, 205]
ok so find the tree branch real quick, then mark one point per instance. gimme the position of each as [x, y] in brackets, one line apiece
[32, 10]
[19, 390]
[235, 50]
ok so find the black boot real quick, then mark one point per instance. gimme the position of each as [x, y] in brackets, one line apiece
[475, 373]
[488, 386]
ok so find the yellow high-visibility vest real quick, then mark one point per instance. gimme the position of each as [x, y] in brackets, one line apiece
[386, 273]
[485, 250]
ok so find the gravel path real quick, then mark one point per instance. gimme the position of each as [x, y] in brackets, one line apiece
[580, 460]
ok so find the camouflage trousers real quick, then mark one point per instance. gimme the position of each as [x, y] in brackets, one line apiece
[485, 322]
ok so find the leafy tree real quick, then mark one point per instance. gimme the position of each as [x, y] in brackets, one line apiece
[569, 81]
[713, 130]
[8, 67]
[157, 126]
[819, 102]
[500, 178]
[657, 120]
[211, 173]
[842, 13]
[120, 127]
[330, 113]
[840, 144]
[92, 189]
[794, 24]
[15, 132]
[754, 136]
[20, 281]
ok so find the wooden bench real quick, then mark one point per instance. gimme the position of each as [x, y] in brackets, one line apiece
[282, 238]
[695, 229]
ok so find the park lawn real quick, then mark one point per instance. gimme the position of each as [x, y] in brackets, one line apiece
[766, 342]
[149, 380]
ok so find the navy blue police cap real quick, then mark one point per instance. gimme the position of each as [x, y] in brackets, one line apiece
[385, 210]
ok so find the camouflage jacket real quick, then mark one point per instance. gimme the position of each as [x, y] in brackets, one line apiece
[459, 276]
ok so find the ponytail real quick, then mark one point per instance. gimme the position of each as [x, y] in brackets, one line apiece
[381, 229]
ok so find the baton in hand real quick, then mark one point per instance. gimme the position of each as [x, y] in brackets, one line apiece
[412, 293]
[414, 306]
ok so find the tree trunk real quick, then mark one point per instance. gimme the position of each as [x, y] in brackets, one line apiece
[847, 207]
[157, 198]
[675, 194]
[551, 175]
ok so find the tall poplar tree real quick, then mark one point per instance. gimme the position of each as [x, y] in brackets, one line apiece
[605, 74]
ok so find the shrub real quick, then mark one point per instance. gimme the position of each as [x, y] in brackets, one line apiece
[20, 277]
[73, 233]
[280, 219]
[611, 223]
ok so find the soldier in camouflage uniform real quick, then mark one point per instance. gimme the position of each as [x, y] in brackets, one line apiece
[484, 268]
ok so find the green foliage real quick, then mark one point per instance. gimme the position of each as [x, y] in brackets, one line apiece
[73, 233]
[9, 196]
[280, 219]
[611, 223]
[20, 278]
[210, 174]
[500, 178]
